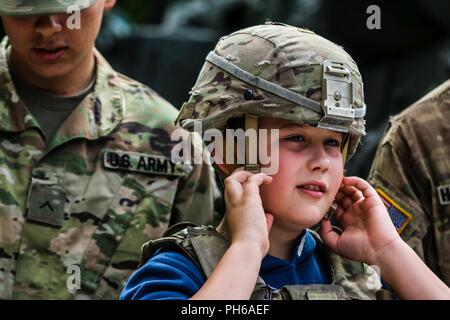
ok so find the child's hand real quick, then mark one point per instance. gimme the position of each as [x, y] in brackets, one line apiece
[368, 229]
[245, 216]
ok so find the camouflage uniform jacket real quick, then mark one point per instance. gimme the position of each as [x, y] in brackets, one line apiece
[75, 213]
[411, 171]
[205, 247]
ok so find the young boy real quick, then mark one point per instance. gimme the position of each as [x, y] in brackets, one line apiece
[75, 203]
[308, 90]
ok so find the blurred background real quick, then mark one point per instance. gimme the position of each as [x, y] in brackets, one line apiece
[163, 43]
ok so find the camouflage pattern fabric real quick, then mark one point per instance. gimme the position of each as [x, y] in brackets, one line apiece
[79, 202]
[204, 246]
[411, 171]
[290, 57]
[36, 7]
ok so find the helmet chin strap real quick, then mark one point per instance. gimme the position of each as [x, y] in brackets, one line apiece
[251, 122]
[345, 148]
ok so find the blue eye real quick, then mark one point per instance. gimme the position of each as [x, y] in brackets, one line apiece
[296, 138]
[333, 143]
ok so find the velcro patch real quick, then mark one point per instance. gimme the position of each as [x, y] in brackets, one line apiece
[140, 162]
[444, 194]
[399, 216]
[46, 204]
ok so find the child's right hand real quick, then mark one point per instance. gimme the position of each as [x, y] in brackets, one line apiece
[245, 216]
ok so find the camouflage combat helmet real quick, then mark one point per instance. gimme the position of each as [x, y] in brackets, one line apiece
[37, 7]
[277, 70]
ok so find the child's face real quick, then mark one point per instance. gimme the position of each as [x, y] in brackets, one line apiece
[69, 48]
[309, 157]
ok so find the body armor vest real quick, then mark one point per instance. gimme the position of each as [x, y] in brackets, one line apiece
[205, 247]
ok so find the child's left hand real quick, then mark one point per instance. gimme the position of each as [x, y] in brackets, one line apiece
[368, 229]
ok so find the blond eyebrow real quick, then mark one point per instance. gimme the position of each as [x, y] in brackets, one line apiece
[304, 125]
[293, 126]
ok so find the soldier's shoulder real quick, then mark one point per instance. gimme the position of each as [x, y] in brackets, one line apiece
[431, 106]
[143, 101]
[431, 111]
[437, 95]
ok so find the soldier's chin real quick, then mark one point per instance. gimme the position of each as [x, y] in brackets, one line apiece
[53, 71]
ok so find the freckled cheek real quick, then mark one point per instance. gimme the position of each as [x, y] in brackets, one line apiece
[289, 169]
[272, 196]
[279, 191]
[336, 178]
[285, 176]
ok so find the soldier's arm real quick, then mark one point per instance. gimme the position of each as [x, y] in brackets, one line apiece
[400, 183]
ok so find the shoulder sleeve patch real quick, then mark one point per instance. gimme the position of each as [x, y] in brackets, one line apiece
[141, 162]
[444, 194]
[399, 216]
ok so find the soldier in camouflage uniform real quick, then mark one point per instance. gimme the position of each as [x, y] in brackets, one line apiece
[411, 172]
[309, 90]
[86, 175]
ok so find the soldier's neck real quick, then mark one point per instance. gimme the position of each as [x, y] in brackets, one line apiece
[78, 78]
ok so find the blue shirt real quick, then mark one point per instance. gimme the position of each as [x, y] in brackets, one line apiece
[170, 275]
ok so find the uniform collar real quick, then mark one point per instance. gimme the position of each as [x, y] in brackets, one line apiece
[96, 116]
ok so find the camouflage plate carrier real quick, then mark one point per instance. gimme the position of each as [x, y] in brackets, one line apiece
[205, 247]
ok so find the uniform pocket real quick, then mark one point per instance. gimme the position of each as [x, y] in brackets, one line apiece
[140, 211]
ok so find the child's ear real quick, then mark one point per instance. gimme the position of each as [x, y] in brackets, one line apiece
[109, 4]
